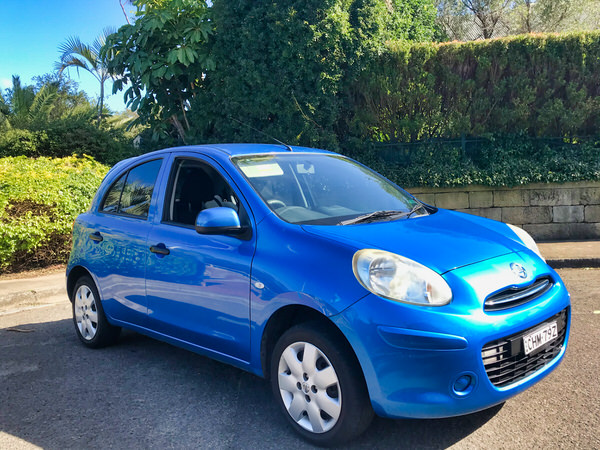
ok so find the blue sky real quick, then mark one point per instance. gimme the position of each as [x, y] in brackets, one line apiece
[32, 30]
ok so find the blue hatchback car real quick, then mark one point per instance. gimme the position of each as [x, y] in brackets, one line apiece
[309, 269]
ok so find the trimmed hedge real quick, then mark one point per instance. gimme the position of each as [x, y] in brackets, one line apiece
[536, 85]
[39, 199]
[498, 161]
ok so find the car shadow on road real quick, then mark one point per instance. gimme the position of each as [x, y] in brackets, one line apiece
[142, 393]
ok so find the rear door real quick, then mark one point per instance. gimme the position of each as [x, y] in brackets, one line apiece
[113, 240]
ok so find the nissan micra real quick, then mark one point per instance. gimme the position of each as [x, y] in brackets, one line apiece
[307, 268]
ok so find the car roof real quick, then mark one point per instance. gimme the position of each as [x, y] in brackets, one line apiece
[239, 149]
[221, 151]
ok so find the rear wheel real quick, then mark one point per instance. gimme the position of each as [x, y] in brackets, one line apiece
[91, 325]
[319, 386]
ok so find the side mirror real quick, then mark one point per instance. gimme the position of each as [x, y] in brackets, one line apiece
[221, 220]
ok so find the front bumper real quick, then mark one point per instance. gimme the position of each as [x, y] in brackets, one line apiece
[417, 360]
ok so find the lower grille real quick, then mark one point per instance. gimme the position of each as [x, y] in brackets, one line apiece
[505, 360]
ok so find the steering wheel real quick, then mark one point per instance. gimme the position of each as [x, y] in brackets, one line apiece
[277, 204]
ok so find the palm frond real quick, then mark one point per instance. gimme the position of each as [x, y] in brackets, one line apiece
[83, 112]
[21, 98]
[43, 103]
[74, 48]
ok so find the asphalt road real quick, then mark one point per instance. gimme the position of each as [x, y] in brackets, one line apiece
[56, 394]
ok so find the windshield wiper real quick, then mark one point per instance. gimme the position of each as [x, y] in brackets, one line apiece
[412, 211]
[370, 217]
[377, 215]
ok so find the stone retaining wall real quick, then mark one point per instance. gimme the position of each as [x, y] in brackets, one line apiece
[546, 211]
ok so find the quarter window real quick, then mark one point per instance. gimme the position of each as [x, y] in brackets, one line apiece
[132, 192]
[111, 201]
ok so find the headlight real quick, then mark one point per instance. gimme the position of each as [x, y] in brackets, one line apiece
[526, 239]
[396, 278]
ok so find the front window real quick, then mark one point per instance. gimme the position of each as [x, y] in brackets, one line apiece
[195, 186]
[325, 189]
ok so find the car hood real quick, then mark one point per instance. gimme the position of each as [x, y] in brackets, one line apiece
[442, 241]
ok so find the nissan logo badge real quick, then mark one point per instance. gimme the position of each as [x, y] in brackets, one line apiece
[518, 270]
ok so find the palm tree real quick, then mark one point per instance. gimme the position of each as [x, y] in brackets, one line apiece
[24, 106]
[4, 111]
[75, 53]
[34, 108]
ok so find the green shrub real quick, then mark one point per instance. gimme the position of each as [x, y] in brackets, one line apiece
[39, 199]
[66, 137]
[497, 161]
[536, 85]
[15, 142]
[282, 66]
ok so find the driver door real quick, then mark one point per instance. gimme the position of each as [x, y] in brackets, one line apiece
[198, 286]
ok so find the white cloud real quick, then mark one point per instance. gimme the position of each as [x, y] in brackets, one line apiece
[5, 83]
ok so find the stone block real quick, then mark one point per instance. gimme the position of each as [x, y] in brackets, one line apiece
[488, 213]
[513, 197]
[567, 214]
[452, 200]
[481, 199]
[592, 213]
[563, 231]
[550, 197]
[588, 196]
[526, 215]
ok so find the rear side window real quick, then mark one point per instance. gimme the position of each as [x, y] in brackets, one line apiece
[131, 193]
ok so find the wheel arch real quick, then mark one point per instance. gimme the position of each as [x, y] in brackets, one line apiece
[287, 317]
[75, 274]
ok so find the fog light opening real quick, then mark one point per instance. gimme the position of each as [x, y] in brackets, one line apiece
[464, 385]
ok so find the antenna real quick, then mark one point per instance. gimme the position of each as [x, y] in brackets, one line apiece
[262, 132]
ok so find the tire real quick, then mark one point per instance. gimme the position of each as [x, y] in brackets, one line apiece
[91, 325]
[324, 397]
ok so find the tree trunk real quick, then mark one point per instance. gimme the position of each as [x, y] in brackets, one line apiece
[179, 128]
[101, 105]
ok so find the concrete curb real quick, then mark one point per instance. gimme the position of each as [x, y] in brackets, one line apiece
[575, 263]
[32, 297]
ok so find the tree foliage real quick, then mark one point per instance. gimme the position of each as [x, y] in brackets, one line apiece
[33, 106]
[53, 118]
[283, 67]
[483, 19]
[279, 66]
[160, 61]
[75, 53]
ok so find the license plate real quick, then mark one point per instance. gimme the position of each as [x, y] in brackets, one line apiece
[539, 337]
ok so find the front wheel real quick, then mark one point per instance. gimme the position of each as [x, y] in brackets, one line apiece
[91, 325]
[319, 386]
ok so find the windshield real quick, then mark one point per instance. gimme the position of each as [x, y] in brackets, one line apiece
[325, 189]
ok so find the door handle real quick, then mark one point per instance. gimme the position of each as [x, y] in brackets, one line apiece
[160, 249]
[96, 237]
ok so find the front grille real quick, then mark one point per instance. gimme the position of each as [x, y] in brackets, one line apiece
[514, 296]
[505, 360]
